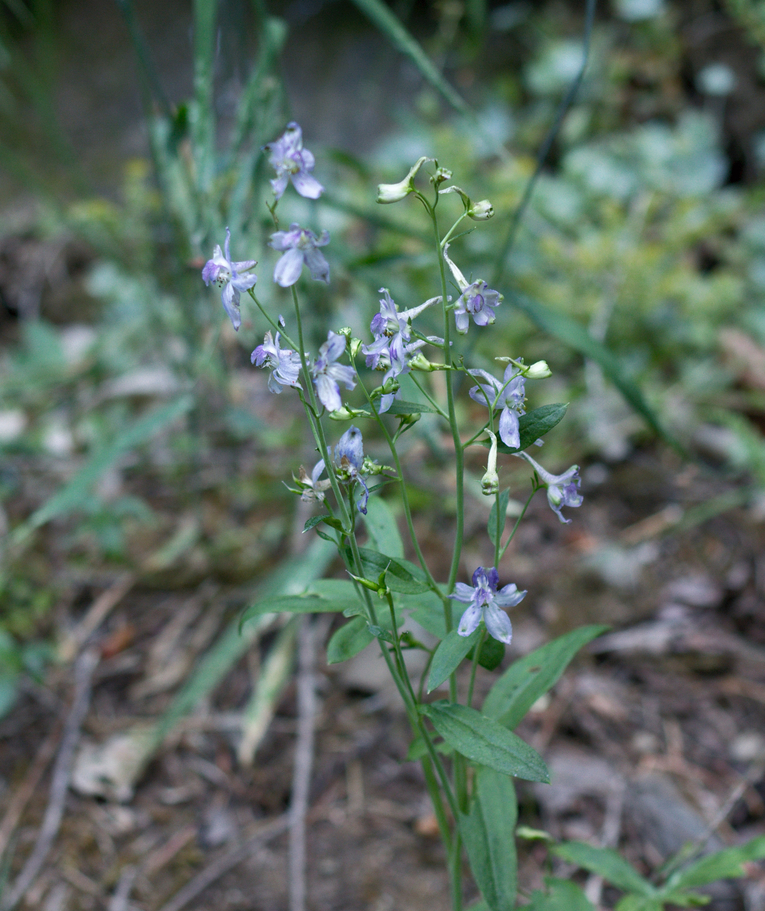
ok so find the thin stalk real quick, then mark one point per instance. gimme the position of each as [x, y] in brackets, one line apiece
[474, 666]
[517, 523]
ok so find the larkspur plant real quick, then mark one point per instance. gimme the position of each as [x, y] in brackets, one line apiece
[469, 756]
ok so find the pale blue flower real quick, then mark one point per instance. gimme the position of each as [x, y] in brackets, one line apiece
[299, 246]
[485, 603]
[393, 348]
[348, 462]
[292, 162]
[477, 299]
[284, 363]
[562, 489]
[232, 277]
[327, 374]
[509, 396]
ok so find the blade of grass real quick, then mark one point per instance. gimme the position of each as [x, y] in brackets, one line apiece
[575, 336]
[399, 37]
[76, 492]
[203, 108]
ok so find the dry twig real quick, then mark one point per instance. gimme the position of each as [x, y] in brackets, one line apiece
[62, 770]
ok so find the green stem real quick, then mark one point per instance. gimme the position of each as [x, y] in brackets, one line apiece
[515, 527]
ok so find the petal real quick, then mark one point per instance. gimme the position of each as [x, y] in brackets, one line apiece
[307, 185]
[328, 392]
[509, 596]
[470, 620]
[230, 298]
[509, 431]
[317, 264]
[463, 593]
[498, 624]
[279, 185]
[288, 269]
[334, 346]
[344, 375]
[351, 445]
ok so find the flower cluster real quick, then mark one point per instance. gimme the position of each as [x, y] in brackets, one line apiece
[395, 350]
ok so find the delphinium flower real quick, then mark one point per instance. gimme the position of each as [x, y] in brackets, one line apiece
[477, 299]
[508, 395]
[232, 277]
[311, 488]
[299, 245]
[327, 374]
[393, 348]
[485, 603]
[283, 362]
[292, 162]
[348, 461]
[562, 489]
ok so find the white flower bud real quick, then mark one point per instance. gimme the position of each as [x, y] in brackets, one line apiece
[393, 192]
[490, 481]
[537, 371]
[481, 211]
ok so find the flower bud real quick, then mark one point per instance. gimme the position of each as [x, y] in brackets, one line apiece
[481, 211]
[355, 347]
[490, 481]
[393, 192]
[441, 176]
[420, 362]
[342, 414]
[537, 371]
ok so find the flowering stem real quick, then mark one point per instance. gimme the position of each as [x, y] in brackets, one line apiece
[515, 527]
[474, 666]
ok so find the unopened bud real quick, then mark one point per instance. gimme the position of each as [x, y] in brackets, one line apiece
[420, 362]
[441, 176]
[490, 481]
[393, 192]
[537, 371]
[481, 211]
[342, 414]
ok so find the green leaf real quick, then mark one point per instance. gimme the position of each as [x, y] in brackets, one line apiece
[562, 895]
[634, 902]
[448, 656]
[489, 835]
[382, 528]
[287, 604]
[574, 335]
[76, 494]
[349, 640]
[401, 576]
[401, 408]
[607, 863]
[495, 530]
[341, 592]
[419, 748]
[725, 864]
[485, 741]
[491, 654]
[315, 520]
[534, 425]
[427, 609]
[389, 25]
[532, 676]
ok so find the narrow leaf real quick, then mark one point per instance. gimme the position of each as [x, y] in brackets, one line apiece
[489, 835]
[532, 676]
[399, 407]
[382, 528]
[725, 864]
[448, 656]
[76, 493]
[400, 38]
[607, 863]
[574, 335]
[402, 576]
[485, 741]
[349, 640]
[561, 895]
[534, 425]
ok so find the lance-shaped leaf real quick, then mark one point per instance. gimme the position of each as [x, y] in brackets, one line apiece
[489, 835]
[349, 640]
[561, 895]
[448, 656]
[533, 425]
[530, 677]
[607, 863]
[725, 864]
[400, 575]
[485, 741]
